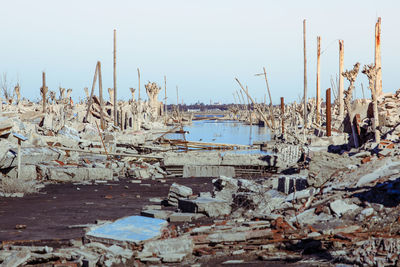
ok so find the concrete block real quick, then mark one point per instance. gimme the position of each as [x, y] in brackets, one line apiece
[287, 185]
[212, 207]
[207, 171]
[339, 207]
[159, 214]
[181, 245]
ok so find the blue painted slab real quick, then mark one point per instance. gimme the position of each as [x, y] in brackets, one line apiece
[131, 229]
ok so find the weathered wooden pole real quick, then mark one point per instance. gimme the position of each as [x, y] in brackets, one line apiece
[165, 99]
[283, 114]
[270, 98]
[259, 111]
[19, 159]
[115, 78]
[341, 79]
[328, 113]
[305, 75]
[100, 95]
[91, 94]
[378, 83]
[318, 78]
[44, 90]
[138, 74]
[177, 99]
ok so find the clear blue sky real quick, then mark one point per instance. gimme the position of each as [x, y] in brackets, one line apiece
[200, 45]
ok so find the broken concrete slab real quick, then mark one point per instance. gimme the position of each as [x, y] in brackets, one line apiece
[207, 171]
[212, 207]
[133, 229]
[184, 217]
[339, 207]
[181, 245]
[159, 214]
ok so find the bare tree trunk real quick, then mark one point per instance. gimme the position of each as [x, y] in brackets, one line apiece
[44, 91]
[305, 74]
[341, 79]
[115, 78]
[100, 95]
[165, 99]
[318, 78]
[378, 82]
[328, 113]
[91, 95]
[138, 73]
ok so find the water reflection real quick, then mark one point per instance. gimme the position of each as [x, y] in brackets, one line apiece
[226, 132]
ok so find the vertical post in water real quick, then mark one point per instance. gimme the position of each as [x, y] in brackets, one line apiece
[305, 75]
[378, 81]
[328, 113]
[115, 78]
[138, 74]
[318, 78]
[100, 95]
[341, 79]
[283, 114]
[44, 90]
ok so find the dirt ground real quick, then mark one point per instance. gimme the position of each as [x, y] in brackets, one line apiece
[49, 214]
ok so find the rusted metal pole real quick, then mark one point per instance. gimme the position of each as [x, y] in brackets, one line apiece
[115, 78]
[318, 78]
[378, 82]
[328, 113]
[305, 74]
[341, 79]
[44, 91]
[283, 114]
[91, 94]
[100, 96]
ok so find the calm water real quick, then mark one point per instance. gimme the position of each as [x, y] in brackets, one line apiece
[226, 132]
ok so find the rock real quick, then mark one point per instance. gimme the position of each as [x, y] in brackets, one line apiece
[339, 207]
[212, 207]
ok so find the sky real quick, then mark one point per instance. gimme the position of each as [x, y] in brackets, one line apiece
[201, 46]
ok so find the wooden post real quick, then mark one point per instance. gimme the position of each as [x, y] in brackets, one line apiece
[270, 98]
[305, 75]
[328, 113]
[378, 83]
[318, 78]
[91, 94]
[115, 78]
[341, 79]
[177, 99]
[100, 96]
[44, 90]
[165, 99]
[138, 74]
[283, 114]
[19, 158]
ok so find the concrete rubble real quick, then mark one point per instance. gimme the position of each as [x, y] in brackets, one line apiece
[314, 199]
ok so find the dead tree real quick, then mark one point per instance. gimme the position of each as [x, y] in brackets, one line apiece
[351, 76]
[17, 92]
[133, 93]
[62, 93]
[5, 88]
[371, 71]
[44, 90]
